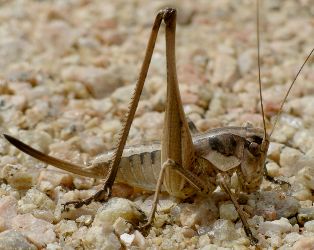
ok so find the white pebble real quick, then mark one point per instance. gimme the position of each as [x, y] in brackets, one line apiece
[121, 226]
[127, 239]
[309, 226]
[115, 208]
[275, 227]
[227, 211]
[38, 231]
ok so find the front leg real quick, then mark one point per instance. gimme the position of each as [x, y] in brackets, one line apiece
[221, 180]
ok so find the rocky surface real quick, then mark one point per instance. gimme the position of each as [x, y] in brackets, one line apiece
[68, 69]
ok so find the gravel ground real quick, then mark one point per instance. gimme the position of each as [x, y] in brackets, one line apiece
[67, 71]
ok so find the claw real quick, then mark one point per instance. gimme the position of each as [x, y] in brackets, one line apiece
[101, 195]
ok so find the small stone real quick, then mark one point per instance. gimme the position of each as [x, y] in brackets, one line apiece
[17, 177]
[306, 177]
[92, 145]
[246, 61]
[66, 227]
[85, 220]
[223, 230]
[83, 182]
[309, 226]
[34, 199]
[305, 243]
[39, 140]
[98, 81]
[204, 240]
[269, 228]
[115, 208]
[53, 246]
[188, 232]
[227, 211]
[12, 240]
[305, 214]
[127, 239]
[280, 204]
[8, 210]
[225, 70]
[121, 226]
[139, 240]
[272, 169]
[275, 241]
[98, 237]
[300, 192]
[291, 238]
[289, 158]
[123, 94]
[274, 151]
[55, 178]
[38, 231]
[198, 213]
[77, 238]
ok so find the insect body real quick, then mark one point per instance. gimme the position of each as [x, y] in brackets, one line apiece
[221, 151]
[181, 164]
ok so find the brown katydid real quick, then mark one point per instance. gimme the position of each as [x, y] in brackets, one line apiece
[183, 163]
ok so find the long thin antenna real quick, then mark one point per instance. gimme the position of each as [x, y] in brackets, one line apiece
[285, 98]
[259, 68]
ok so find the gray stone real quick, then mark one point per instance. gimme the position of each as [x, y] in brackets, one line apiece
[12, 240]
[305, 214]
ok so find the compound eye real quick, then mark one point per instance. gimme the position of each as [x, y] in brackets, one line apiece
[254, 148]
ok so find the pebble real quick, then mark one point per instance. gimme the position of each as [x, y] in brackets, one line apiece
[199, 213]
[309, 226]
[8, 210]
[98, 237]
[300, 192]
[115, 208]
[305, 214]
[272, 169]
[37, 203]
[305, 243]
[225, 70]
[121, 226]
[91, 144]
[55, 178]
[246, 61]
[270, 228]
[17, 176]
[38, 231]
[306, 177]
[227, 211]
[127, 239]
[289, 159]
[66, 227]
[99, 82]
[292, 237]
[136, 240]
[223, 230]
[12, 240]
[275, 205]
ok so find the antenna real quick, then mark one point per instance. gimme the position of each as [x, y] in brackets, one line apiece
[259, 71]
[291, 85]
